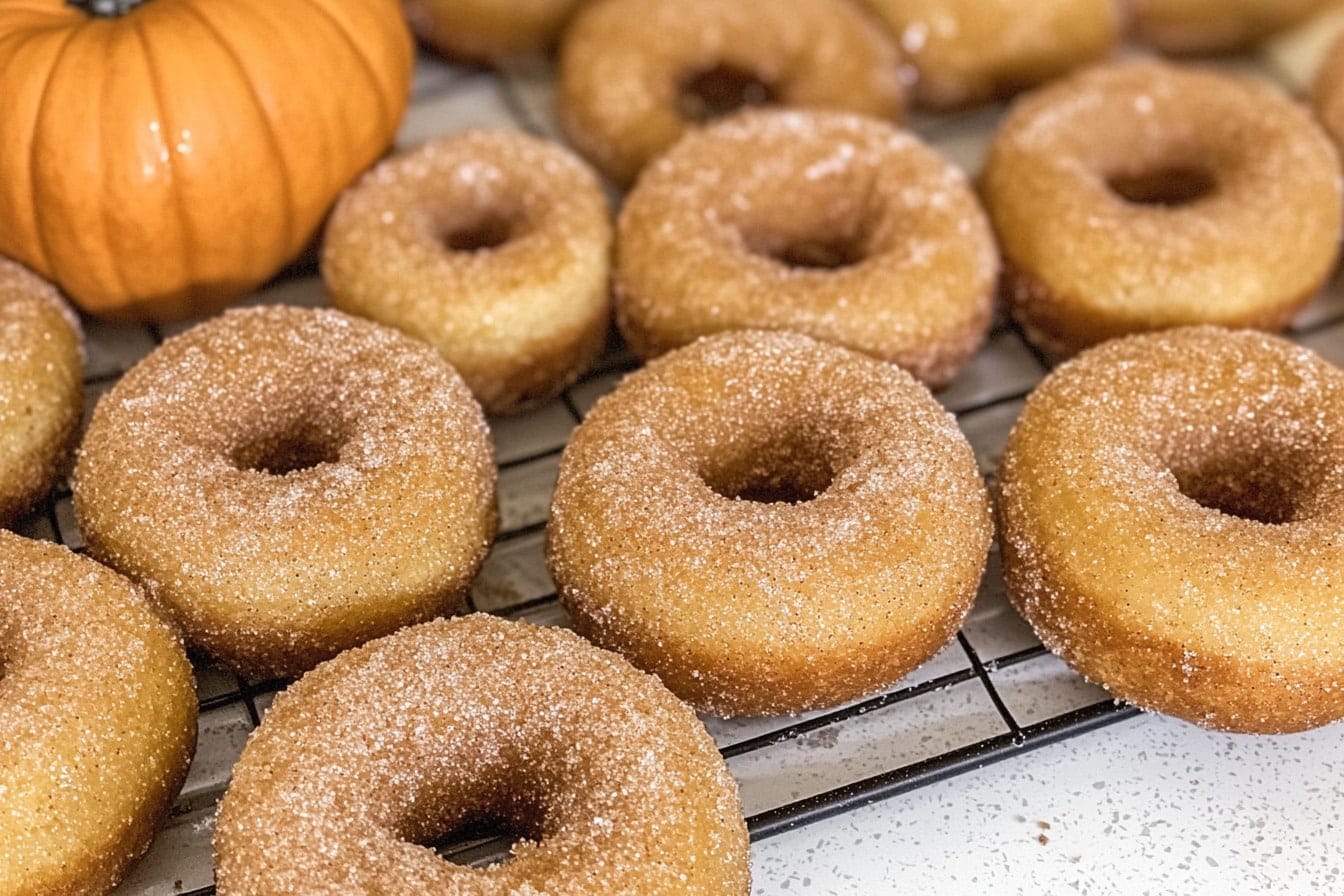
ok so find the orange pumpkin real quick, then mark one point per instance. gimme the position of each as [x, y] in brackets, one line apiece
[159, 158]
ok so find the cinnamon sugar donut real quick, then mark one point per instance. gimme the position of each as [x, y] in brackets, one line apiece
[769, 523]
[1216, 26]
[41, 388]
[288, 483]
[613, 785]
[97, 721]
[841, 227]
[1143, 195]
[1172, 510]
[974, 51]
[488, 30]
[493, 247]
[637, 74]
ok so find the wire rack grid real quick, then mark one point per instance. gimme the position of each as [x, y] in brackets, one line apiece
[992, 694]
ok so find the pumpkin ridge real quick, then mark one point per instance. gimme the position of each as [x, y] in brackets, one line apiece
[106, 217]
[292, 235]
[179, 203]
[384, 106]
[340, 129]
[42, 248]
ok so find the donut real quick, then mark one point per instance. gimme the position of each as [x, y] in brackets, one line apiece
[968, 52]
[488, 30]
[841, 227]
[41, 388]
[611, 784]
[97, 721]
[1171, 510]
[288, 483]
[635, 75]
[495, 248]
[1142, 195]
[769, 523]
[1216, 26]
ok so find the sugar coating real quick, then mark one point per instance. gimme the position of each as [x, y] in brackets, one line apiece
[520, 320]
[386, 518]
[699, 235]
[97, 721]
[613, 785]
[488, 30]
[1216, 26]
[1086, 265]
[747, 607]
[1172, 514]
[973, 51]
[623, 64]
[41, 369]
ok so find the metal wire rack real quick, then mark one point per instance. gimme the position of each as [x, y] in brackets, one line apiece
[994, 693]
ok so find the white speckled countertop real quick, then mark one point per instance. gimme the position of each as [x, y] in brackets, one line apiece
[1147, 806]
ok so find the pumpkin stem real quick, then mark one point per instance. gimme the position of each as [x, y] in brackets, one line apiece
[106, 9]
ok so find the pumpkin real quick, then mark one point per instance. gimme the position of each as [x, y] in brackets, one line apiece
[160, 158]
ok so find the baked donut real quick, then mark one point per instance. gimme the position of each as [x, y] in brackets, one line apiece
[289, 483]
[770, 523]
[1171, 510]
[974, 51]
[488, 30]
[493, 247]
[41, 388]
[612, 785]
[1216, 26]
[842, 227]
[1142, 195]
[635, 75]
[97, 721]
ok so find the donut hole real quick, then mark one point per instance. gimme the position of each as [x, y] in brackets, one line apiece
[824, 255]
[1168, 186]
[288, 449]
[721, 90]
[1259, 486]
[787, 471]
[485, 840]
[478, 828]
[842, 247]
[480, 233]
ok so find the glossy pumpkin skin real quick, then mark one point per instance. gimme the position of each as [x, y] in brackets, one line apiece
[160, 164]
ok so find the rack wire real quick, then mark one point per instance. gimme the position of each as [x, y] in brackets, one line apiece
[993, 694]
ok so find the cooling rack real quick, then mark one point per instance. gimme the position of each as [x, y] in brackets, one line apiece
[994, 693]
